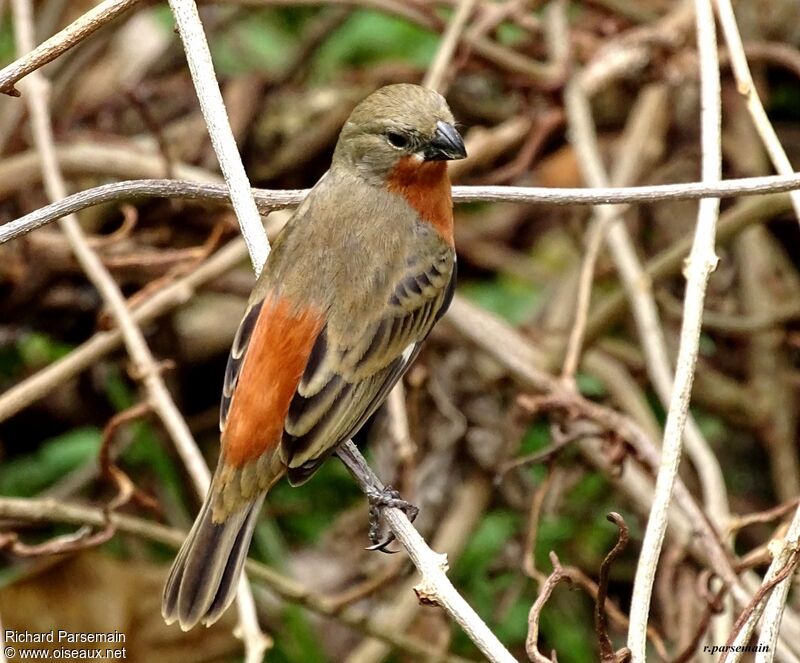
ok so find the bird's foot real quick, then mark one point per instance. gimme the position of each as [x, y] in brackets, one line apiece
[387, 498]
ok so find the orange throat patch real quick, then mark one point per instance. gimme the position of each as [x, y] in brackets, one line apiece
[426, 187]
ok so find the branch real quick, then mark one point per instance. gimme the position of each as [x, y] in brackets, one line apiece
[435, 76]
[532, 639]
[435, 587]
[102, 343]
[48, 51]
[702, 261]
[145, 365]
[607, 653]
[747, 88]
[777, 580]
[55, 511]
[209, 95]
[270, 199]
[787, 555]
[637, 284]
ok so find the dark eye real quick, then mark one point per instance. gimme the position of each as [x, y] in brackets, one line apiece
[397, 140]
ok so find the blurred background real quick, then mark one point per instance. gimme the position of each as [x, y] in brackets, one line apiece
[124, 107]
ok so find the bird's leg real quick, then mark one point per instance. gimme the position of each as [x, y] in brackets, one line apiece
[380, 497]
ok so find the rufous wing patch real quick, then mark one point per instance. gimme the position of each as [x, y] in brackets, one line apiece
[426, 187]
[276, 357]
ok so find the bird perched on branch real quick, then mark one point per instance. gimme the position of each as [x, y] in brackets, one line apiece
[354, 284]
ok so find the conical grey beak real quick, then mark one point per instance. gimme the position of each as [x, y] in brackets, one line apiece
[446, 145]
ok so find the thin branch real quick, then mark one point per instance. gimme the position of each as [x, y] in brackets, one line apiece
[525, 363]
[271, 199]
[102, 343]
[747, 88]
[53, 511]
[702, 261]
[73, 34]
[145, 366]
[638, 287]
[788, 555]
[209, 95]
[435, 587]
[743, 628]
[607, 653]
[435, 76]
[532, 640]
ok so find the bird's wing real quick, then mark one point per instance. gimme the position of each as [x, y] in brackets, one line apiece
[348, 376]
[269, 355]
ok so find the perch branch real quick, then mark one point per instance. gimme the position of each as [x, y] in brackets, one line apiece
[435, 587]
[55, 511]
[268, 200]
[786, 555]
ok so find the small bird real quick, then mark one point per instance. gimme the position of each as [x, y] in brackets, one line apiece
[353, 286]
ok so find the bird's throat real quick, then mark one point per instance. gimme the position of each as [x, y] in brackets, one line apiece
[426, 187]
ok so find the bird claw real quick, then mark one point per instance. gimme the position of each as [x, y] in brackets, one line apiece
[387, 498]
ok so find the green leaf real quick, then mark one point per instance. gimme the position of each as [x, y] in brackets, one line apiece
[369, 36]
[28, 475]
[37, 349]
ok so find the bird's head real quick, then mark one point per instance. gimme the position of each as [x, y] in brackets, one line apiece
[398, 124]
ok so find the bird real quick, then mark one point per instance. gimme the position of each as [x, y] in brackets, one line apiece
[353, 285]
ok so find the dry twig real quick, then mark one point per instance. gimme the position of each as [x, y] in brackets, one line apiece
[702, 261]
[268, 200]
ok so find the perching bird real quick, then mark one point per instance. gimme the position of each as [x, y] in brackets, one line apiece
[354, 284]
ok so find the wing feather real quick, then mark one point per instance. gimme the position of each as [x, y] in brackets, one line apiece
[351, 377]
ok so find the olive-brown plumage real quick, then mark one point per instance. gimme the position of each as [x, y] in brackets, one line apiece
[353, 285]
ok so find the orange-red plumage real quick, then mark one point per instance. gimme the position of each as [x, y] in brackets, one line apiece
[277, 354]
[426, 187]
[353, 286]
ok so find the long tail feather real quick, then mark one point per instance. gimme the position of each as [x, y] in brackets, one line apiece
[205, 574]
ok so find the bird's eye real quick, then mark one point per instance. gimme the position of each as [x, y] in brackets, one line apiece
[397, 140]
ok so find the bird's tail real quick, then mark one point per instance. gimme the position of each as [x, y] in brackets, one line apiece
[205, 574]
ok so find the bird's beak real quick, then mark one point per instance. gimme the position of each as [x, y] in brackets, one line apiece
[446, 145]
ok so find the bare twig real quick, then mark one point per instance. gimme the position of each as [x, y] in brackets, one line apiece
[787, 552]
[435, 76]
[743, 628]
[713, 605]
[532, 530]
[81, 539]
[434, 587]
[607, 653]
[268, 200]
[209, 95]
[638, 288]
[702, 261]
[126, 489]
[144, 363]
[42, 383]
[747, 89]
[53, 511]
[73, 34]
[740, 522]
[532, 640]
